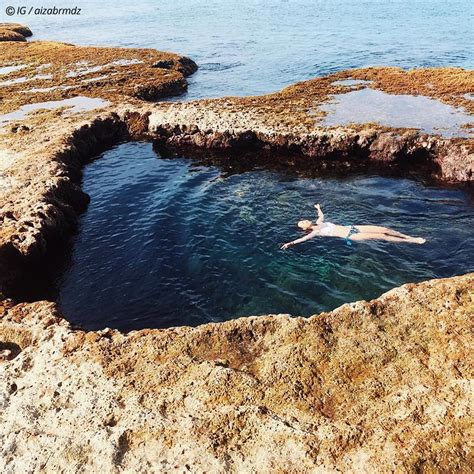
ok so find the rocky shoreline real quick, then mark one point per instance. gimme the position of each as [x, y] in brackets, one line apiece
[381, 385]
[14, 32]
[378, 386]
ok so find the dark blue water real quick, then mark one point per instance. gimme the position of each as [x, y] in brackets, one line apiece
[246, 47]
[169, 242]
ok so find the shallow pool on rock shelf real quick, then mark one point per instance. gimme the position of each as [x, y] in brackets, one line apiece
[168, 242]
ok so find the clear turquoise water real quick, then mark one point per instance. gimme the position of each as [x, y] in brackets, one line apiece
[246, 47]
[167, 242]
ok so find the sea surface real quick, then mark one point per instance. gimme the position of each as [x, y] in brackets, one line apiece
[170, 242]
[246, 47]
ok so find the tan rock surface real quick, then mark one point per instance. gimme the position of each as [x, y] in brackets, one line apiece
[14, 32]
[22, 29]
[55, 71]
[290, 121]
[10, 35]
[378, 386]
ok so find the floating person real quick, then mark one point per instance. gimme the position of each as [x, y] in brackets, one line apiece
[349, 233]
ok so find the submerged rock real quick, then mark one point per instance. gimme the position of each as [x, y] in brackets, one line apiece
[377, 386]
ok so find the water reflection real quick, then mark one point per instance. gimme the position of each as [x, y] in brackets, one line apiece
[407, 111]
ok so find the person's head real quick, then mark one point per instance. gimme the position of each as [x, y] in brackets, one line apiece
[305, 225]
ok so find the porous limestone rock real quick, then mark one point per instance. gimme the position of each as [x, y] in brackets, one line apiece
[379, 386]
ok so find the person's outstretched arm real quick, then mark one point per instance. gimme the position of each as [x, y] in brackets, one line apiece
[298, 241]
[320, 214]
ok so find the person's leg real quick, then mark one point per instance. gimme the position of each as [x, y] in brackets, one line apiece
[386, 237]
[405, 238]
[398, 234]
[374, 229]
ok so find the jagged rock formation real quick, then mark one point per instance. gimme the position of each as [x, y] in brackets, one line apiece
[292, 121]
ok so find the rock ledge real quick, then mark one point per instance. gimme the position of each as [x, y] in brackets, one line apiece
[376, 386]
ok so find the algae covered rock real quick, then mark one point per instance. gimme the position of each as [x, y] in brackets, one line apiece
[14, 32]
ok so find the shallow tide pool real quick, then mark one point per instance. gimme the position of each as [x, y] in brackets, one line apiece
[73, 105]
[168, 242]
[390, 110]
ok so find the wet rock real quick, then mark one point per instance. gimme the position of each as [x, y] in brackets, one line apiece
[295, 120]
[9, 35]
[163, 64]
[21, 29]
[14, 32]
[20, 129]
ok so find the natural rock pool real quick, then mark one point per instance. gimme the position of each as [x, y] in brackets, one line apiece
[373, 106]
[168, 242]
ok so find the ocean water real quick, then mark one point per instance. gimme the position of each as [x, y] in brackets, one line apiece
[246, 47]
[169, 242]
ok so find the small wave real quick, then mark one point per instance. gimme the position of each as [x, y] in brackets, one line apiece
[219, 66]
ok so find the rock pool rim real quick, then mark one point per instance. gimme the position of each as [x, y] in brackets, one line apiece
[120, 132]
[373, 147]
[111, 129]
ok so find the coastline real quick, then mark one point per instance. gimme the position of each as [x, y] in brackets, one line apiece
[129, 400]
[375, 386]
